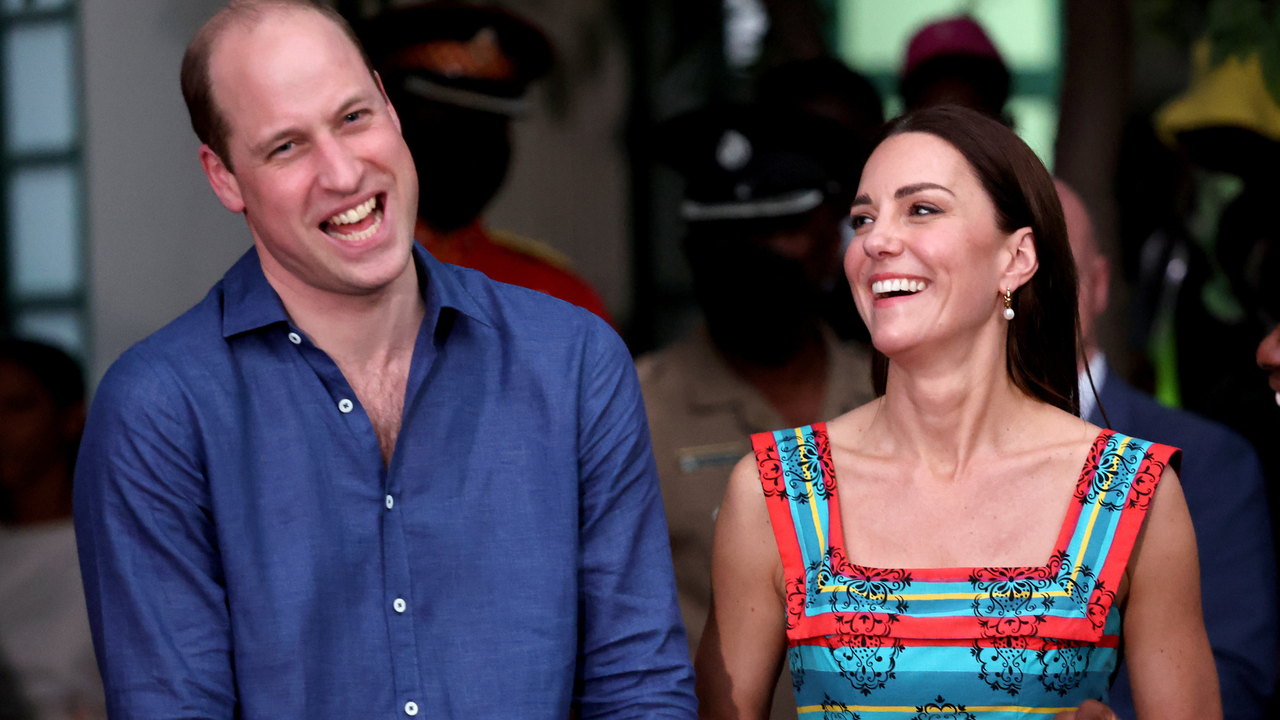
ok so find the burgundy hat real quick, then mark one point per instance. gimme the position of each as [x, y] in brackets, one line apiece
[958, 36]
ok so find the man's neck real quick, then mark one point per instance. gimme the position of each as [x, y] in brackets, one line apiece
[355, 330]
[796, 388]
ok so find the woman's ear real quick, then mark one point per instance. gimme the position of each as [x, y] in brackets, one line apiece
[1023, 262]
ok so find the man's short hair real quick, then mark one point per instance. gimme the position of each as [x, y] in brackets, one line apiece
[207, 120]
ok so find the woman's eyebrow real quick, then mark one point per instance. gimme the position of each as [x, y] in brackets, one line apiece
[862, 199]
[906, 190]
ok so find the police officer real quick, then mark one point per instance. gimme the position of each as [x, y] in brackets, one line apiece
[457, 74]
[763, 239]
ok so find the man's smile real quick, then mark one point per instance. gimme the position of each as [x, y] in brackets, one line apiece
[358, 223]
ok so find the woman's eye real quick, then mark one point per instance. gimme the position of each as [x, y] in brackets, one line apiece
[920, 209]
[859, 221]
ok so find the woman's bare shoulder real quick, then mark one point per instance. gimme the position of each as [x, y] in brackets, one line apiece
[851, 426]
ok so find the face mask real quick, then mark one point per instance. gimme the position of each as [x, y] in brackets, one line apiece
[759, 306]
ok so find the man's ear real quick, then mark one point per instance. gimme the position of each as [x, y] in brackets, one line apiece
[221, 179]
[1023, 262]
[395, 118]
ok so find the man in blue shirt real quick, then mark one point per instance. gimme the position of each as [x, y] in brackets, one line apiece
[1226, 494]
[354, 482]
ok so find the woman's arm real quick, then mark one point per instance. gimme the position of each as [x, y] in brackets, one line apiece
[744, 642]
[1170, 663]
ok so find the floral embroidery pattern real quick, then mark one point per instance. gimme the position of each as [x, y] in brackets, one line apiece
[1001, 665]
[940, 709]
[863, 589]
[1114, 466]
[866, 661]
[833, 710]
[1063, 668]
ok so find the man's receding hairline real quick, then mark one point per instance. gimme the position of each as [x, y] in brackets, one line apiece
[245, 16]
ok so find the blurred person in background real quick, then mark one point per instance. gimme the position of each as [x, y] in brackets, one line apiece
[457, 74]
[1225, 491]
[954, 62]
[826, 88]
[763, 236]
[1208, 283]
[44, 626]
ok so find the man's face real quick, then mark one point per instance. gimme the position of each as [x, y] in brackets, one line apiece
[1092, 269]
[321, 172]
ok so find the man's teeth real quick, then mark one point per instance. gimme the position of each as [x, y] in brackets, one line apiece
[880, 287]
[355, 214]
[364, 234]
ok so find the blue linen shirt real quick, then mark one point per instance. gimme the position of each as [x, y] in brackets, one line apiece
[247, 554]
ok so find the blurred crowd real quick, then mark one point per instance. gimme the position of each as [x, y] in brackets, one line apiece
[768, 184]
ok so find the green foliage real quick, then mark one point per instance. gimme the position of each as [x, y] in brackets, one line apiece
[1241, 28]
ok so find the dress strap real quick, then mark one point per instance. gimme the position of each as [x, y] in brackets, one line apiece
[798, 480]
[1114, 492]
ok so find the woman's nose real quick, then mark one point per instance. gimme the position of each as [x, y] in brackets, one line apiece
[881, 241]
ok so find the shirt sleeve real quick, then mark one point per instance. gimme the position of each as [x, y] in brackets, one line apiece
[633, 657]
[148, 553]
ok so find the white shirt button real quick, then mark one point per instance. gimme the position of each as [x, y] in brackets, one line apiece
[295, 338]
[398, 605]
[411, 708]
[390, 502]
[345, 405]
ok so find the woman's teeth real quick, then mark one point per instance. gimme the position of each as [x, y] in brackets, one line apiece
[897, 285]
[355, 214]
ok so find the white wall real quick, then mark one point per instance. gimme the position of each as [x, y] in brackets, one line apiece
[158, 238]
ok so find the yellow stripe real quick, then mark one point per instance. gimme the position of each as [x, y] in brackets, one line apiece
[813, 501]
[1084, 543]
[968, 708]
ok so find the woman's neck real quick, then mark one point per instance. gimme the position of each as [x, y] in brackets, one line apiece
[948, 409]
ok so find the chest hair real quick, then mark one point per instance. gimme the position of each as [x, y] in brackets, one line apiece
[381, 392]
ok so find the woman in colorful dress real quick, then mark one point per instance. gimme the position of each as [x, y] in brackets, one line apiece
[965, 546]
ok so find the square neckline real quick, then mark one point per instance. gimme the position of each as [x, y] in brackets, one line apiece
[836, 538]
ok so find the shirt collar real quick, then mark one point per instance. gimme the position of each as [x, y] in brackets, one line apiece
[1098, 369]
[250, 303]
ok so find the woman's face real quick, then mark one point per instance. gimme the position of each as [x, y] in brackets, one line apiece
[928, 264]
[1269, 359]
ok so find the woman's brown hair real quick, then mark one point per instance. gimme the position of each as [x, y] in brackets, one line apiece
[1043, 338]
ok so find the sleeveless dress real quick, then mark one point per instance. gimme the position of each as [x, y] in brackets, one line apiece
[961, 643]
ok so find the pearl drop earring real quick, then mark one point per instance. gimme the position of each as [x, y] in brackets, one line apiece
[1008, 304]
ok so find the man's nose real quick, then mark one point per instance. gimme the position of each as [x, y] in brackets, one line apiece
[340, 169]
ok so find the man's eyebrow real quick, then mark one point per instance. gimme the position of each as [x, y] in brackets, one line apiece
[356, 99]
[906, 190]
